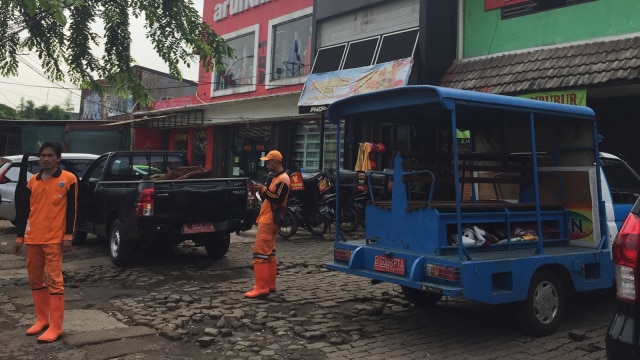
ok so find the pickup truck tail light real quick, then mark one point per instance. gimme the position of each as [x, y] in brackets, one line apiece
[144, 204]
[625, 251]
[251, 199]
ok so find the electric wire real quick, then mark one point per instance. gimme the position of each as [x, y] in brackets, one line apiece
[71, 90]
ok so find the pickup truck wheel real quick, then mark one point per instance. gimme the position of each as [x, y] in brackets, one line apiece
[419, 298]
[289, 227]
[218, 246]
[120, 250]
[541, 312]
[79, 237]
[317, 224]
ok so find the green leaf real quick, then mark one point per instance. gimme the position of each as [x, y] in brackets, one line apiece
[31, 6]
[60, 33]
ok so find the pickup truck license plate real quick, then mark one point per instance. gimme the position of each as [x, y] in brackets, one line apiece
[389, 264]
[198, 228]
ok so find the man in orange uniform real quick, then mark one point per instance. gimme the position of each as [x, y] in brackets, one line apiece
[46, 225]
[276, 192]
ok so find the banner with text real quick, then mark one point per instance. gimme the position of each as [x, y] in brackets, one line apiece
[321, 90]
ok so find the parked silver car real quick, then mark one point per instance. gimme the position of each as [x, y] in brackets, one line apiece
[10, 170]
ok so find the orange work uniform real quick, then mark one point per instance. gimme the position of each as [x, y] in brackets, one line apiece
[276, 193]
[48, 216]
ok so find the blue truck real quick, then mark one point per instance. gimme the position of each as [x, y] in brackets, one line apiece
[518, 212]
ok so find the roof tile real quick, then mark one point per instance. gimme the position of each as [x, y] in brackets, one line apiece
[549, 68]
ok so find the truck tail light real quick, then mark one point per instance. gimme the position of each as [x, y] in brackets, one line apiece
[144, 204]
[442, 272]
[342, 254]
[625, 251]
[251, 199]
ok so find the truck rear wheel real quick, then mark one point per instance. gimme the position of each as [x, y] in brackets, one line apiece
[419, 298]
[120, 250]
[218, 246]
[541, 312]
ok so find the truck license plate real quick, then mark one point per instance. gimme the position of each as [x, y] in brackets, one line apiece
[389, 264]
[198, 228]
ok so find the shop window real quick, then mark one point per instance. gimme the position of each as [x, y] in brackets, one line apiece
[307, 147]
[366, 52]
[535, 6]
[329, 59]
[291, 52]
[360, 53]
[248, 144]
[238, 74]
[398, 45]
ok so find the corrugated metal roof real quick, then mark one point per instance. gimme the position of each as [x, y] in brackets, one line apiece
[559, 67]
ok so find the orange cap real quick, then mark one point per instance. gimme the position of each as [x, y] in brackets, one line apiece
[272, 155]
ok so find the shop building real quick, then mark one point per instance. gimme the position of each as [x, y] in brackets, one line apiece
[376, 38]
[253, 105]
[238, 114]
[584, 52]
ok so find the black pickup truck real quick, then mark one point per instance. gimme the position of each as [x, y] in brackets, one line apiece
[137, 199]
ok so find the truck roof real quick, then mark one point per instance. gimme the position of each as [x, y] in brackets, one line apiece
[444, 99]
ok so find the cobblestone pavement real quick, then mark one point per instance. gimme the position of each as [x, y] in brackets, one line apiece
[195, 310]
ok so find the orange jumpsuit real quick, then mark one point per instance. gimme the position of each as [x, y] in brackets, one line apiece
[276, 193]
[47, 217]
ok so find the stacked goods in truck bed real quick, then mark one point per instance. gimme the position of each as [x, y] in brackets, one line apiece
[183, 172]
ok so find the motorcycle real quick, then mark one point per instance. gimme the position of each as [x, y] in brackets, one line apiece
[347, 218]
[304, 206]
[352, 210]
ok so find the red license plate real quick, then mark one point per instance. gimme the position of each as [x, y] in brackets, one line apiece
[389, 264]
[196, 228]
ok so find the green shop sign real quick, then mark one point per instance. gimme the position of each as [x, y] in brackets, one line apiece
[569, 97]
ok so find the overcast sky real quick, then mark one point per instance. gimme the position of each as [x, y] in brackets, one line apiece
[31, 84]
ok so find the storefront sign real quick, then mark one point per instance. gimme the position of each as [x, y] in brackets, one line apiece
[177, 102]
[496, 4]
[234, 7]
[320, 90]
[568, 97]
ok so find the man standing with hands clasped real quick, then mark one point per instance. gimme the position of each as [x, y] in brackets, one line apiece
[45, 224]
[275, 194]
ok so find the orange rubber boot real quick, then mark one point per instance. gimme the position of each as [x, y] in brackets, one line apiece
[55, 322]
[261, 273]
[273, 272]
[41, 306]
